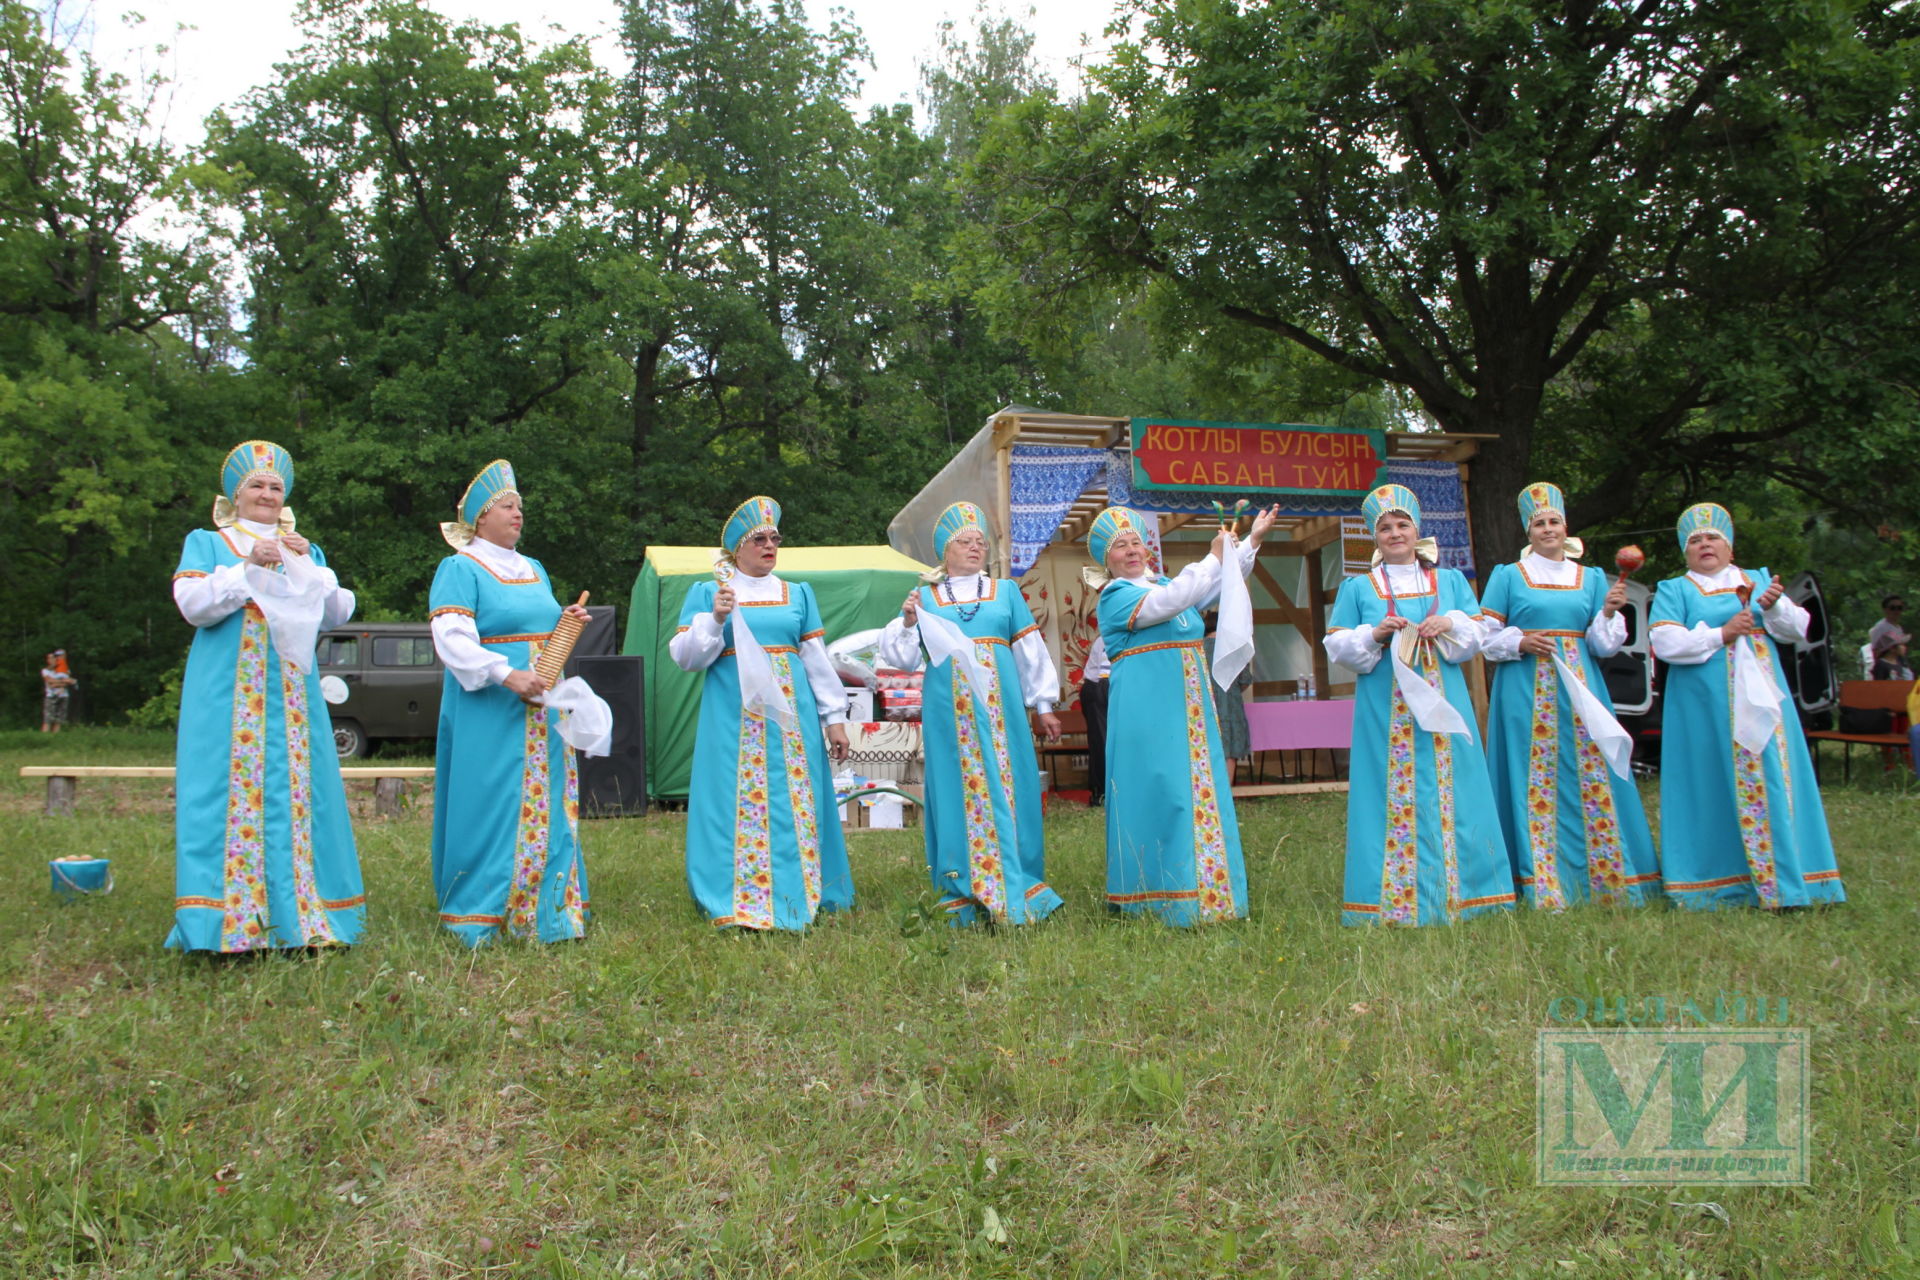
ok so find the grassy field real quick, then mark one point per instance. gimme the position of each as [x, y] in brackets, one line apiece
[1090, 1097]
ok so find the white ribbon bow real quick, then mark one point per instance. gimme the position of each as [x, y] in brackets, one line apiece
[1233, 638]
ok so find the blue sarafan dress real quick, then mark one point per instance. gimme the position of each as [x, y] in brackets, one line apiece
[764, 845]
[1173, 839]
[1736, 827]
[264, 852]
[1423, 841]
[1574, 829]
[506, 792]
[985, 844]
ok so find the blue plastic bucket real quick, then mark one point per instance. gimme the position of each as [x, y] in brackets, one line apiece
[77, 878]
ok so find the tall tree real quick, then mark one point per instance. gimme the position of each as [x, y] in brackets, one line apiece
[412, 196]
[1676, 233]
[109, 329]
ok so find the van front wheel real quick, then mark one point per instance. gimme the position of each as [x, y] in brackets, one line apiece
[349, 739]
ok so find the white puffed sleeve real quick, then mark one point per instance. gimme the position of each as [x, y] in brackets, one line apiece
[1198, 583]
[1685, 646]
[206, 599]
[1463, 641]
[1605, 636]
[1501, 644]
[338, 606]
[457, 641]
[900, 646]
[829, 692]
[696, 648]
[1038, 679]
[1786, 621]
[1355, 649]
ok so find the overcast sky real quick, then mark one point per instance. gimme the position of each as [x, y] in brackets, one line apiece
[234, 45]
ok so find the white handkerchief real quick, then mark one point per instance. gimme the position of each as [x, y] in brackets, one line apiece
[1233, 641]
[760, 692]
[1756, 698]
[944, 640]
[1615, 743]
[293, 603]
[1430, 708]
[586, 721]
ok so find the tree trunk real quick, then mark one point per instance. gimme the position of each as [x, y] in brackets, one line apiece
[1496, 476]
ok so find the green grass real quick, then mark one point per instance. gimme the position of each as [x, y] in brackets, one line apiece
[1090, 1097]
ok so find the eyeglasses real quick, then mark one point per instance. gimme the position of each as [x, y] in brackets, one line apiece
[765, 539]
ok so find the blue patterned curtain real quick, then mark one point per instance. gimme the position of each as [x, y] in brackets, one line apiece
[1044, 481]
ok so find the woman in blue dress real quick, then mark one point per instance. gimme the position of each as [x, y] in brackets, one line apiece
[1423, 844]
[985, 846]
[1575, 830]
[764, 845]
[1741, 822]
[506, 791]
[1173, 840]
[263, 850]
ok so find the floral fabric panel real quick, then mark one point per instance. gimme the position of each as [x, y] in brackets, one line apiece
[1606, 851]
[986, 872]
[536, 817]
[806, 826]
[572, 905]
[315, 927]
[753, 835]
[1400, 860]
[1443, 782]
[1750, 803]
[244, 918]
[1543, 787]
[1211, 875]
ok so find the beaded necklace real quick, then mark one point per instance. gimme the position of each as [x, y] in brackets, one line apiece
[979, 598]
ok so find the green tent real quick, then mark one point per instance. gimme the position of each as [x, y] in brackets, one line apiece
[858, 588]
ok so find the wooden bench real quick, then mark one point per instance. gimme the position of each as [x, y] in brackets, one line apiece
[389, 784]
[1863, 695]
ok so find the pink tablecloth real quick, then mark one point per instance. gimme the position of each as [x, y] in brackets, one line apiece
[1300, 726]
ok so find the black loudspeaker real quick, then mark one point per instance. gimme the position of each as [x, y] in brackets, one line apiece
[595, 641]
[615, 785]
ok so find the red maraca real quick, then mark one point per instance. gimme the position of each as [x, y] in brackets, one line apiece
[1629, 560]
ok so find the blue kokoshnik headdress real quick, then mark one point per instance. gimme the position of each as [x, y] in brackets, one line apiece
[495, 481]
[959, 516]
[1542, 496]
[750, 517]
[245, 461]
[1704, 515]
[1110, 524]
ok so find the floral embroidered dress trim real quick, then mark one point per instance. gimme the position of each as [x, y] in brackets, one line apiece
[1750, 804]
[752, 834]
[536, 816]
[1210, 874]
[806, 825]
[573, 907]
[1606, 852]
[1543, 787]
[986, 873]
[510, 582]
[314, 924]
[1400, 858]
[1443, 782]
[245, 916]
[1765, 652]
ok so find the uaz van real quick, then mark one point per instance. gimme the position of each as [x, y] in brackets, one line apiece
[381, 680]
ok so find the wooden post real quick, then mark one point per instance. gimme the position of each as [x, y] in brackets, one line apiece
[1317, 611]
[60, 797]
[389, 794]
